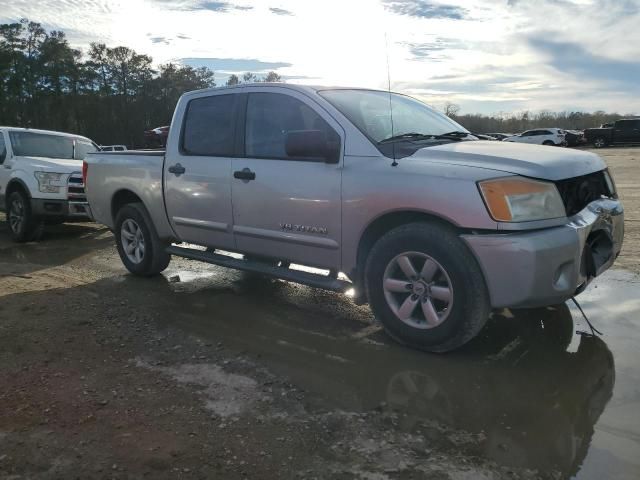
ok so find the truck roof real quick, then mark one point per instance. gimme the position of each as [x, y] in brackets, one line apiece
[290, 86]
[48, 132]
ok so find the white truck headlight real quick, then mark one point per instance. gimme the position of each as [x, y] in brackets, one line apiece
[49, 182]
[519, 199]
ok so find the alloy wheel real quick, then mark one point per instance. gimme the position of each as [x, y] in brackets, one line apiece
[16, 215]
[132, 240]
[418, 290]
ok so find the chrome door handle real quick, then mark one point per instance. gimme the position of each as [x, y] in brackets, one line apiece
[244, 174]
[177, 169]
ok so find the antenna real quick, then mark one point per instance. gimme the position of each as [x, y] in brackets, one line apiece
[393, 144]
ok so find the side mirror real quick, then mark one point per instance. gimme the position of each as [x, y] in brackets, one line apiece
[313, 144]
[3, 155]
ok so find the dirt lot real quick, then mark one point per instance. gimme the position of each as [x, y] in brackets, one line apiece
[209, 373]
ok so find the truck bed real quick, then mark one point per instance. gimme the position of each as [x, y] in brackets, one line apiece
[115, 176]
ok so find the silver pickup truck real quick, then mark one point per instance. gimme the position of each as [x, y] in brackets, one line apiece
[429, 225]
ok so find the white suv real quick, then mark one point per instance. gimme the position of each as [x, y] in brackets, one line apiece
[540, 136]
[41, 179]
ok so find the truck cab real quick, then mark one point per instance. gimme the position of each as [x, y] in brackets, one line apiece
[41, 179]
[622, 132]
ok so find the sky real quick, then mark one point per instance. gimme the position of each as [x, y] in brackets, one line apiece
[487, 56]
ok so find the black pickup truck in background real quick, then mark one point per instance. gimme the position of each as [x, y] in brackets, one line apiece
[626, 131]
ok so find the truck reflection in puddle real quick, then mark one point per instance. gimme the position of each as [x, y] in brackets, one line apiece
[517, 389]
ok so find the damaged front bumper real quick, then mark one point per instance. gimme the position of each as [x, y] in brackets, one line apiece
[549, 266]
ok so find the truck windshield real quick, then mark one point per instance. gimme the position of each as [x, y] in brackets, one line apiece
[33, 144]
[369, 111]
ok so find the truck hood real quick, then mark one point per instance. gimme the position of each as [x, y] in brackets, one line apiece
[58, 165]
[537, 161]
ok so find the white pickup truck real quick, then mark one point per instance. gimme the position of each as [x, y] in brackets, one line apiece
[430, 225]
[41, 179]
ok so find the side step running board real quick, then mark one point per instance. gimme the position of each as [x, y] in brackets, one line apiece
[297, 276]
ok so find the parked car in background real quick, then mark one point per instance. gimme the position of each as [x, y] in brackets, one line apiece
[41, 179]
[156, 137]
[540, 136]
[623, 132]
[484, 136]
[499, 136]
[574, 138]
[430, 225]
[113, 148]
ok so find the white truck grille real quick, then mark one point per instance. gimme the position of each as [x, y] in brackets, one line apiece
[75, 188]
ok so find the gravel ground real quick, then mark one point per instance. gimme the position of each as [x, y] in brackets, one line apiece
[104, 375]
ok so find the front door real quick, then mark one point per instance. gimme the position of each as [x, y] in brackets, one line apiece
[285, 207]
[197, 170]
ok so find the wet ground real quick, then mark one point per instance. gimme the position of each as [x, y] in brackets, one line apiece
[210, 373]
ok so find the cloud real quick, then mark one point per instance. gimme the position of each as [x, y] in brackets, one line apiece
[162, 40]
[234, 65]
[219, 6]
[572, 58]
[433, 50]
[211, 5]
[280, 11]
[425, 9]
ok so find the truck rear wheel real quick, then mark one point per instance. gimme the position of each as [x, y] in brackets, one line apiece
[139, 247]
[23, 226]
[426, 288]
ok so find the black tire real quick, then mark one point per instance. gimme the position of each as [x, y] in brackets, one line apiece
[600, 142]
[470, 306]
[23, 226]
[154, 259]
[548, 142]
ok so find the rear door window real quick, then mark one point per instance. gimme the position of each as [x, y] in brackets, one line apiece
[209, 126]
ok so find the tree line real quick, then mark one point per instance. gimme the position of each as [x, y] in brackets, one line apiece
[519, 122]
[110, 95]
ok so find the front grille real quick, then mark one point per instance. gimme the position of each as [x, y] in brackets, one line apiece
[75, 188]
[578, 192]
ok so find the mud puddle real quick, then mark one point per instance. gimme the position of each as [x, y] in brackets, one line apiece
[530, 392]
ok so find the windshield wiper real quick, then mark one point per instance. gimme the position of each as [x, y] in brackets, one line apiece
[455, 135]
[406, 136]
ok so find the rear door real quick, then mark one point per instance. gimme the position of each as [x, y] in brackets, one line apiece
[623, 131]
[197, 170]
[286, 208]
[635, 135]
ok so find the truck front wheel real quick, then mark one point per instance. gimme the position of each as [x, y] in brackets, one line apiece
[600, 142]
[139, 247]
[23, 226]
[426, 288]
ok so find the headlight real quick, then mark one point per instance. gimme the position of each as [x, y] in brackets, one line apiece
[518, 199]
[49, 182]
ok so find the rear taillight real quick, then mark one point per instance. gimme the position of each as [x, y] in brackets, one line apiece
[85, 169]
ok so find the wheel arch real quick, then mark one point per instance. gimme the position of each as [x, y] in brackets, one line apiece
[121, 198]
[15, 184]
[384, 223]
